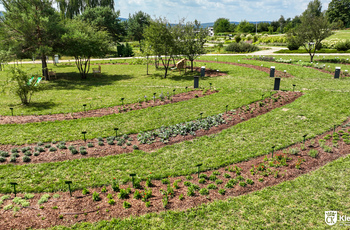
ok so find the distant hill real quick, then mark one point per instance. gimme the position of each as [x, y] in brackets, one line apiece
[1, 14]
[123, 19]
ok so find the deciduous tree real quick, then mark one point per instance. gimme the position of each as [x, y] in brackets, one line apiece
[83, 41]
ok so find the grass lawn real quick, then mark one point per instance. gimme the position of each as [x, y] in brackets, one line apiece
[291, 205]
[340, 34]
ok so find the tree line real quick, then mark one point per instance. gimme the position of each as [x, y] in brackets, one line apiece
[338, 15]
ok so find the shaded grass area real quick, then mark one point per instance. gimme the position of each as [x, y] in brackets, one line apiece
[246, 140]
[296, 204]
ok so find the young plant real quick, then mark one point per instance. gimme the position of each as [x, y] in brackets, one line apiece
[204, 191]
[313, 153]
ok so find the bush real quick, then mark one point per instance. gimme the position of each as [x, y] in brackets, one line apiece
[313, 153]
[22, 85]
[2, 159]
[241, 47]
[343, 46]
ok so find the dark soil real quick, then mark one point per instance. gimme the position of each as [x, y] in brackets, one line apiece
[260, 68]
[67, 210]
[232, 118]
[104, 111]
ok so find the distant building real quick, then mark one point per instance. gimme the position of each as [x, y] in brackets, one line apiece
[211, 31]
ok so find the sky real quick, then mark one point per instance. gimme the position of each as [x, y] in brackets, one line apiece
[210, 10]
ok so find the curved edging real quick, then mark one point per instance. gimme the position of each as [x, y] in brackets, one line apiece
[67, 210]
[232, 118]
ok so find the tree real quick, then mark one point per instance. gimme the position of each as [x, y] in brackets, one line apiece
[137, 24]
[221, 25]
[192, 39]
[104, 18]
[245, 27]
[71, 8]
[33, 27]
[282, 23]
[160, 38]
[313, 29]
[83, 41]
[338, 10]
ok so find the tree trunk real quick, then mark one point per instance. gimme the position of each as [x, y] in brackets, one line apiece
[44, 67]
[191, 65]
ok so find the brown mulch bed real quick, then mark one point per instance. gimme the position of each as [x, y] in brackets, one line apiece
[104, 111]
[67, 210]
[260, 68]
[232, 118]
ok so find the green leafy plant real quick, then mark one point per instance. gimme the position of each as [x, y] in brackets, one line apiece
[181, 197]
[115, 185]
[204, 191]
[26, 159]
[111, 201]
[147, 204]
[202, 181]
[44, 198]
[123, 194]
[137, 195]
[96, 196]
[190, 191]
[227, 175]
[85, 191]
[56, 196]
[165, 181]
[104, 189]
[250, 181]
[212, 186]
[313, 153]
[242, 184]
[28, 196]
[222, 191]
[126, 205]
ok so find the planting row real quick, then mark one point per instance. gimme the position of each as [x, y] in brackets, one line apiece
[132, 195]
[59, 151]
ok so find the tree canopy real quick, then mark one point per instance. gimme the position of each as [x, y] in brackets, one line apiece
[83, 41]
[71, 8]
[104, 18]
[313, 29]
[31, 27]
[137, 24]
[339, 10]
[221, 25]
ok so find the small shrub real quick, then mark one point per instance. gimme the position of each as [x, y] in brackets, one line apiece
[126, 205]
[110, 142]
[52, 149]
[204, 176]
[204, 191]
[14, 150]
[227, 175]
[13, 159]
[250, 181]
[40, 149]
[2, 159]
[135, 147]
[212, 186]
[110, 196]
[181, 197]
[147, 204]
[56, 196]
[60, 146]
[111, 201]
[212, 178]
[54, 207]
[261, 179]
[96, 196]
[104, 190]
[294, 151]
[242, 184]
[218, 181]
[222, 191]
[202, 181]
[313, 153]
[137, 195]
[100, 143]
[123, 194]
[216, 173]
[190, 191]
[241, 47]
[47, 146]
[40, 143]
[83, 150]
[187, 183]
[8, 207]
[165, 181]
[85, 191]
[4, 154]
[189, 177]
[28, 196]
[36, 154]
[73, 150]
[26, 159]
[44, 198]
[90, 145]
